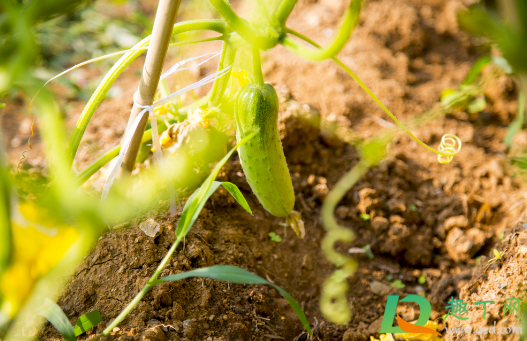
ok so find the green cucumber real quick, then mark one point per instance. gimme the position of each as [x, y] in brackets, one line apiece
[262, 157]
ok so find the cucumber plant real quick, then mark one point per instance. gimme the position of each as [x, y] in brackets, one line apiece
[253, 109]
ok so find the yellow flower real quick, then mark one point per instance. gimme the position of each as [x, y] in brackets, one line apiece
[383, 337]
[39, 242]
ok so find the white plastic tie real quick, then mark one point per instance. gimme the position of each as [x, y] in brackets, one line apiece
[176, 66]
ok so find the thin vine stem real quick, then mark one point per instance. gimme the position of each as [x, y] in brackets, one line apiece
[283, 10]
[239, 25]
[368, 91]
[257, 66]
[351, 19]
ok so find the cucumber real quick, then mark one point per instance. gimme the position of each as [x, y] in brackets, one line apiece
[262, 157]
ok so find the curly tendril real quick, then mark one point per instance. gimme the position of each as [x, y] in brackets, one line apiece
[450, 145]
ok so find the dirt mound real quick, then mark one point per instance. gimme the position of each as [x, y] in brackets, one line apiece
[498, 280]
[427, 223]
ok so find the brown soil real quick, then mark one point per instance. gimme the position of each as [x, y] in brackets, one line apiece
[497, 280]
[427, 219]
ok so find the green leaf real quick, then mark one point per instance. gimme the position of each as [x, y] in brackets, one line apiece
[234, 274]
[517, 124]
[197, 200]
[479, 23]
[235, 192]
[398, 284]
[2, 105]
[193, 208]
[365, 216]
[496, 254]
[274, 237]
[477, 105]
[476, 69]
[86, 322]
[452, 99]
[520, 161]
[368, 252]
[52, 312]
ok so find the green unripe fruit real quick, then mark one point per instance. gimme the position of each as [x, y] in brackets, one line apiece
[262, 157]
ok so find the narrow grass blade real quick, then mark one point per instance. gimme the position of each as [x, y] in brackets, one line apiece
[235, 192]
[197, 200]
[56, 316]
[234, 274]
[188, 216]
[98, 96]
[87, 322]
[517, 124]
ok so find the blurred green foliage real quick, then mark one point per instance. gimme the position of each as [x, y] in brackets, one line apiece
[507, 28]
[20, 50]
[42, 38]
[504, 24]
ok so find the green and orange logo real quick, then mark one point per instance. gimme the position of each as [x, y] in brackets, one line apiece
[404, 326]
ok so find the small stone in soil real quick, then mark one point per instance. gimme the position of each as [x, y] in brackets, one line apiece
[379, 288]
[189, 328]
[151, 228]
[462, 245]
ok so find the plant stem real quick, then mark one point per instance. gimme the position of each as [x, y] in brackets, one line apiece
[257, 65]
[98, 164]
[284, 9]
[351, 19]
[145, 289]
[155, 58]
[241, 26]
[228, 54]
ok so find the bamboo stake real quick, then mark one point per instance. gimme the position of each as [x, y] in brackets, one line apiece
[155, 58]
